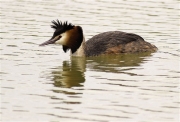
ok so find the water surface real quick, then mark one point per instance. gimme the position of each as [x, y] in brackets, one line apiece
[45, 84]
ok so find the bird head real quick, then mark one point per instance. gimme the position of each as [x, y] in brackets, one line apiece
[67, 35]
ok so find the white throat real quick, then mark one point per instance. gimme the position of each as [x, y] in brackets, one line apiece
[81, 50]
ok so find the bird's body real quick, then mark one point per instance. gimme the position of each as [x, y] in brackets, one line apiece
[111, 42]
[115, 42]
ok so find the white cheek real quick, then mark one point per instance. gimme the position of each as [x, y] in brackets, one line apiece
[62, 40]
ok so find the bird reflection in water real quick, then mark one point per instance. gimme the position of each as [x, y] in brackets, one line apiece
[117, 63]
[72, 73]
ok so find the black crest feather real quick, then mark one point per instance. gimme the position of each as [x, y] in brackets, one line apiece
[60, 26]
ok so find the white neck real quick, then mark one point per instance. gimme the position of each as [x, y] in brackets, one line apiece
[81, 50]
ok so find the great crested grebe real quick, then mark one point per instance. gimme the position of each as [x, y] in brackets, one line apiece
[112, 42]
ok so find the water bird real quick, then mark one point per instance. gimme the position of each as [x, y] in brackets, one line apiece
[71, 37]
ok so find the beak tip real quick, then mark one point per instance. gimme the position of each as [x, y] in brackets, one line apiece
[41, 45]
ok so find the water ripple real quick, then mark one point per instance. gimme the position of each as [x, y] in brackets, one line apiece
[47, 84]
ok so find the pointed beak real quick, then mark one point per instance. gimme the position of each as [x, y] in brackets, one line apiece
[51, 41]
